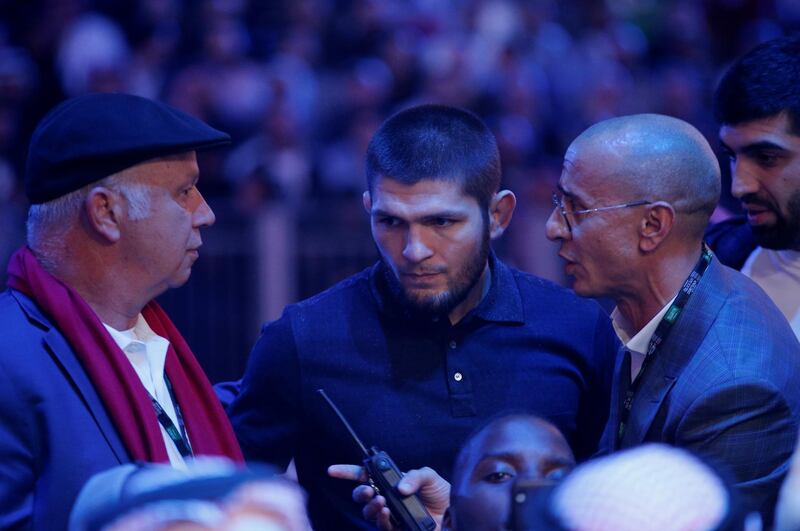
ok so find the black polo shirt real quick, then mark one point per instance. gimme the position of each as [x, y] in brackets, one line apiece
[417, 387]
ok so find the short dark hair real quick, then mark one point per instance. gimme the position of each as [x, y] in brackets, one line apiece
[436, 142]
[762, 83]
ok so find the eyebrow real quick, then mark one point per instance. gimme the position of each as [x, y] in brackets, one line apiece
[439, 214]
[193, 177]
[563, 190]
[513, 457]
[763, 145]
[571, 195]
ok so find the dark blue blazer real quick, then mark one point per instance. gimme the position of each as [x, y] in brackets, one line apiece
[725, 383]
[54, 430]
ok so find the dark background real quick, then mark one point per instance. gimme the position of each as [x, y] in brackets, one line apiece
[302, 84]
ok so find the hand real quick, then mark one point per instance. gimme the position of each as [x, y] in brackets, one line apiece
[432, 489]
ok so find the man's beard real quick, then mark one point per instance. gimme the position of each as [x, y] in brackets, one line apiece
[784, 233]
[458, 287]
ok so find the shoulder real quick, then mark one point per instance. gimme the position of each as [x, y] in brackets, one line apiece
[553, 313]
[21, 322]
[544, 295]
[321, 311]
[731, 240]
[749, 335]
[748, 305]
[341, 294]
[29, 342]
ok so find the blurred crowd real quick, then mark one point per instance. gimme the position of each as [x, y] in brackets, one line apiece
[302, 84]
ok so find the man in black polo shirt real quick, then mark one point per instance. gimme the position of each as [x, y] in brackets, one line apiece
[431, 341]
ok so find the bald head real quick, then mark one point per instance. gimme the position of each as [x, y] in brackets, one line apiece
[654, 157]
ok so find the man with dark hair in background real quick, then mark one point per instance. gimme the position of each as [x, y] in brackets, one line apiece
[757, 104]
[431, 341]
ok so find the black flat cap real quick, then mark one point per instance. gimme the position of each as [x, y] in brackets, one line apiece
[88, 138]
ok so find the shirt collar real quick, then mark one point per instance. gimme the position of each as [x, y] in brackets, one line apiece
[502, 303]
[640, 341]
[141, 332]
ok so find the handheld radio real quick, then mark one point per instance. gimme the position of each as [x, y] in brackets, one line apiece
[383, 474]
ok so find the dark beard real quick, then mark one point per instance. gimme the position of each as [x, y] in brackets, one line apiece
[785, 232]
[457, 289]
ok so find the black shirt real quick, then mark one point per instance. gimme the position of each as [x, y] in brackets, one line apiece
[417, 387]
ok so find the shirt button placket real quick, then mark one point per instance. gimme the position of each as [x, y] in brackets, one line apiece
[457, 375]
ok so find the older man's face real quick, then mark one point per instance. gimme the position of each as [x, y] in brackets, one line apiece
[162, 246]
[517, 448]
[597, 247]
[765, 168]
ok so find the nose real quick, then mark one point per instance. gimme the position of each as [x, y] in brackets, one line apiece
[203, 215]
[415, 249]
[743, 181]
[555, 228]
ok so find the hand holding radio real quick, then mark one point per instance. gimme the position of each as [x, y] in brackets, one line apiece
[407, 511]
[432, 490]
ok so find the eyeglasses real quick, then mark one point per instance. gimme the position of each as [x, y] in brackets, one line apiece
[558, 202]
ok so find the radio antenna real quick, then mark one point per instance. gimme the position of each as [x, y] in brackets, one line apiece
[344, 421]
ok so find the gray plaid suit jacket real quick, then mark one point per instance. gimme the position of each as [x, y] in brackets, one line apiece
[724, 384]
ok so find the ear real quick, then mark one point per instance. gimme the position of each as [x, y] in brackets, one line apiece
[655, 225]
[448, 523]
[366, 200]
[501, 209]
[104, 211]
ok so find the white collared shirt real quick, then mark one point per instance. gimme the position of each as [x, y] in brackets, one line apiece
[640, 342]
[778, 274]
[147, 352]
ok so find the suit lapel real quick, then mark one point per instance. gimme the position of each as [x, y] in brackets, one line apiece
[610, 441]
[675, 353]
[65, 357]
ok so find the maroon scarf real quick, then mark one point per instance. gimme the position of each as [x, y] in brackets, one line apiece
[113, 376]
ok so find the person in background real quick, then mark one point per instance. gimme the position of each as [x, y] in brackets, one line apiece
[757, 104]
[210, 493]
[508, 450]
[654, 486]
[92, 372]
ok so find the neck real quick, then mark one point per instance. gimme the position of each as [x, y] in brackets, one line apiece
[662, 280]
[116, 301]
[474, 297]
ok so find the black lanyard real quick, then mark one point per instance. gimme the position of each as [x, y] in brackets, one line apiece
[660, 335]
[178, 437]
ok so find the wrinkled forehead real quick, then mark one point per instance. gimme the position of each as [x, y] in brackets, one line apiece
[589, 170]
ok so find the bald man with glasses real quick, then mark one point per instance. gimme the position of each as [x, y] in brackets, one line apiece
[709, 363]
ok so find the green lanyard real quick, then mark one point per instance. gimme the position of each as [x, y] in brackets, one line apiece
[661, 333]
[178, 437]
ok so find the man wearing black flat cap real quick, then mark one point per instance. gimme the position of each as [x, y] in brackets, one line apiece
[92, 371]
